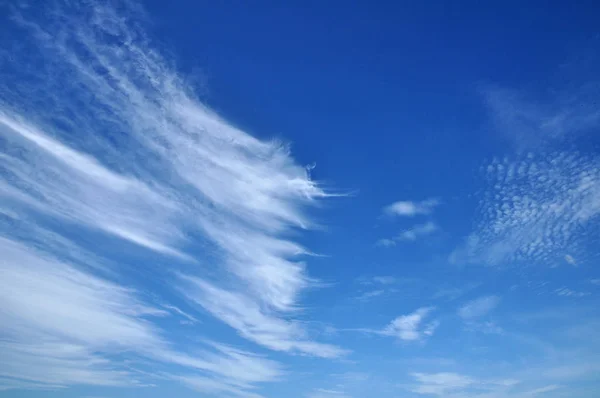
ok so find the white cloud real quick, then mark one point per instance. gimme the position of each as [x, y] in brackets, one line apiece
[478, 307]
[411, 327]
[410, 235]
[412, 208]
[595, 281]
[189, 318]
[181, 168]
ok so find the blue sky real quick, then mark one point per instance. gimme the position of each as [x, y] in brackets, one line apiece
[307, 200]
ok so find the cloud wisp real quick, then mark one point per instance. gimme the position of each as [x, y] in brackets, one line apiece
[108, 142]
[478, 307]
[448, 384]
[412, 327]
[532, 122]
[407, 208]
[412, 234]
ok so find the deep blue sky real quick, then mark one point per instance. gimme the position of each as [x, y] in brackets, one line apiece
[157, 237]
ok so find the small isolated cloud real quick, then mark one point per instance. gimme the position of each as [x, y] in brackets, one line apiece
[386, 242]
[569, 259]
[410, 235]
[412, 327]
[411, 209]
[595, 282]
[478, 307]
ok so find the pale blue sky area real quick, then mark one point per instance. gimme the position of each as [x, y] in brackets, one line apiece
[299, 199]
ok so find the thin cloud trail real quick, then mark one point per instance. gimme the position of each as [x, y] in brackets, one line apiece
[104, 137]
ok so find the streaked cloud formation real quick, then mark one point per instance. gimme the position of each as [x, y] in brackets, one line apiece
[146, 165]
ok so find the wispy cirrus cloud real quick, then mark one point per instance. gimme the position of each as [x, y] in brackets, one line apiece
[376, 286]
[460, 385]
[327, 393]
[370, 294]
[407, 208]
[107, 141]
[253, 322]
[61, 325]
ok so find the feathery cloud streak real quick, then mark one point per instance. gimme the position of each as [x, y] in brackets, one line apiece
[107, 139]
